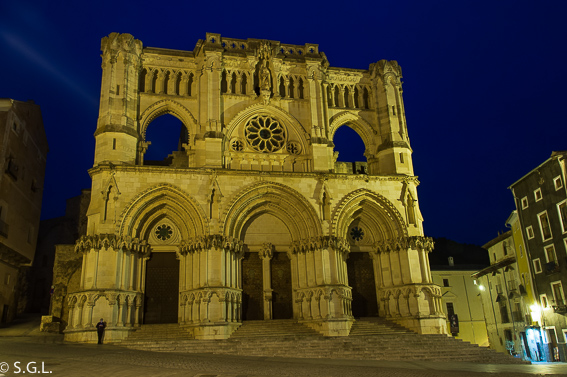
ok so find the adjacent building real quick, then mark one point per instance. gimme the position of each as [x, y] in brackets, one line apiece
[541, 204]
[452, 264]
[503, 294]
[23, 152]
[250, 218]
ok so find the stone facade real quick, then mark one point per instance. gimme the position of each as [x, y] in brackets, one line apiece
[249, 219]
[23, 152]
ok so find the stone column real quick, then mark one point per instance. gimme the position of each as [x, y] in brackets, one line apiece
[137, 314]
[184, 83]
[172, 82]
[129, 315]
[148, 82]
[229, 79]
[266, 254]
[120, 304]
[160, 82]
[238, 86]
[70, 320]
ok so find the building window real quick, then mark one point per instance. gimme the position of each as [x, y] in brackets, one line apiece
[521, 251]
[12, 168]
[558, 296]
[7, 279]
[537, 266]
[557, 183]
[543, 301]
[562, 209]
[504, 312]
[537, 194]
[550, 255]
[450, 309]
[446, 283]
[524, 202]
[544, 226]
[530, 232]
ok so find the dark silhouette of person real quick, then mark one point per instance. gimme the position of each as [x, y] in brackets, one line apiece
[100, 330]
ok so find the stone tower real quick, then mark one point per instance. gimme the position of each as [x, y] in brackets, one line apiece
[250, 218]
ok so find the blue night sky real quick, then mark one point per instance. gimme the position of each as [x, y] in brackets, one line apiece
[484, 82]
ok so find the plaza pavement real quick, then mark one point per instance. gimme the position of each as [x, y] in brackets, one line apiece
[24, 343]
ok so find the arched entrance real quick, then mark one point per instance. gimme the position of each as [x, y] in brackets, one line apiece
[162, 288]
[364, 218]
[266, 269]
[361, 279]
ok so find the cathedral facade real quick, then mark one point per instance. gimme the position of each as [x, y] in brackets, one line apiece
[252, 217]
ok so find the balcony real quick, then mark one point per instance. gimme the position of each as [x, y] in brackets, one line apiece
[560, 309]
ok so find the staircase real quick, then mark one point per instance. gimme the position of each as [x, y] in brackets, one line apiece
[369, 339]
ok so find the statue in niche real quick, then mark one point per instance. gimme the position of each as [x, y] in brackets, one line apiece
[265, 78]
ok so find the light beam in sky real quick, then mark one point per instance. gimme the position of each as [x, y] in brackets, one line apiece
[19, 45]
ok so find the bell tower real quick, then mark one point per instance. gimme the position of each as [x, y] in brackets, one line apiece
[394, 151]
[117, 132]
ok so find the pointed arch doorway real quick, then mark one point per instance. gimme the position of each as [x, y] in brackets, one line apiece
[161, 300]
[266, 269]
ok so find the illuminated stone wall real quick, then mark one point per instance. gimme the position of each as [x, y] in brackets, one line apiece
[255, 173]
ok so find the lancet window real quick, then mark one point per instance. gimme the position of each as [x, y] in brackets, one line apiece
[166, 81]
[234, 82]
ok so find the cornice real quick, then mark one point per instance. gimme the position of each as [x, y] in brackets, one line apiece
[261, 175]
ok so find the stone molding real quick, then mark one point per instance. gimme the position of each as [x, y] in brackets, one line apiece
[298, 175]
[420, 243]
[318, 243]
[105, 241]
[113, 296]
[214, 241]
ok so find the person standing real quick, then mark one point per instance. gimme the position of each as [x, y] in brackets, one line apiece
[100, 330]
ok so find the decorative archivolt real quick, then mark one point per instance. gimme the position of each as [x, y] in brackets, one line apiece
[167, 106]
[281, 201]
[358, 124]
[163, 201]
[289, 121]
[375, 209]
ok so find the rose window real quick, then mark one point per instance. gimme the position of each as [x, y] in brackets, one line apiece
[265, 134]
[357, 233]
[164, 232]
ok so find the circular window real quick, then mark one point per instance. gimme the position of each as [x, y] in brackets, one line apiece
[293, 147]
[237, 145]
[357, 233]
[265, 134]
[164, 232]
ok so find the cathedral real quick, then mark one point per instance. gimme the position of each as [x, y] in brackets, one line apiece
[252, 217]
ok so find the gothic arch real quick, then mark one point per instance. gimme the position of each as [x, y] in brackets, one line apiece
[280, 201]
[289, 121]
[167, 106]
[361, 126]
[376, 211]
[163, 201]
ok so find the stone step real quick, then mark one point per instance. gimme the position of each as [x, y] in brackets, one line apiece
[371, 339]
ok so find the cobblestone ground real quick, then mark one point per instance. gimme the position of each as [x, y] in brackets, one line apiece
[66, 359]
